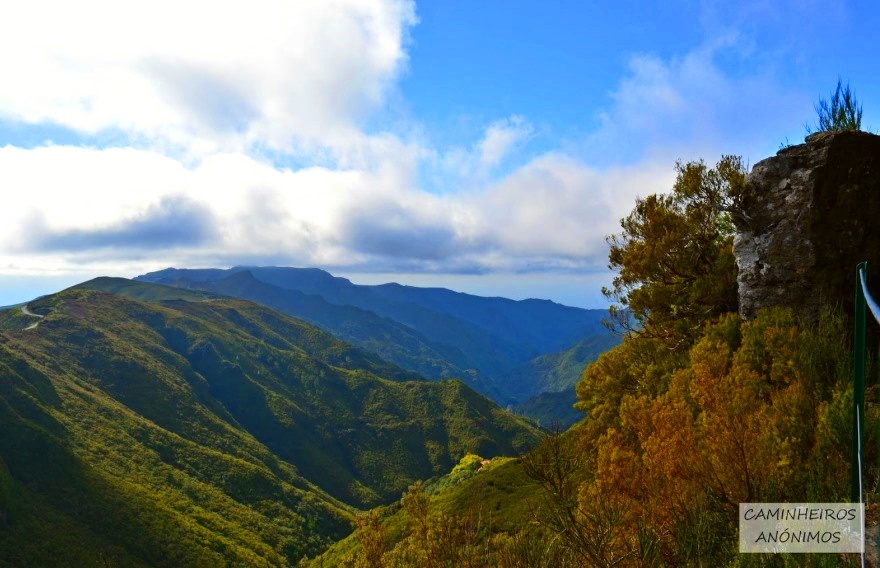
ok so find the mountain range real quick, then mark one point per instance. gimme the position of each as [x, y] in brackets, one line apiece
[510, 351]
[145, 425]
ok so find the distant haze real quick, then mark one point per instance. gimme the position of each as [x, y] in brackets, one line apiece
[579, 290]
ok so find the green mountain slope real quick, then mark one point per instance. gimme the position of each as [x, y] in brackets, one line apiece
[551, 409]
[109, 456]
[497, 497]
[484, 350]
[14, 318]
[141, 291]
[556, 372]
[314, 342]
[433, 331]
[393, 341]
[208, 432]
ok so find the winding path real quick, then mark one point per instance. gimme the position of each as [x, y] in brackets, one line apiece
[27, 312]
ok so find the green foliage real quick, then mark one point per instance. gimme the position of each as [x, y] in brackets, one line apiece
[13, 318]
[371, 537]
[841, 112]
[435, 332]
[493, 505]
[470, 462]
[639, 366]
[556, 372]
[209, 432]
[674, 256]
[551, 409]
[454, 524]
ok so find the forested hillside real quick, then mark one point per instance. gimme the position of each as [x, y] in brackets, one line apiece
[192, 430]
[546, 384]
[487, 342]
[393, 341]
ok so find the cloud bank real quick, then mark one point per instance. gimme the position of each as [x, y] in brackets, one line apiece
[203, 75]
[78, 204]
[241, 138]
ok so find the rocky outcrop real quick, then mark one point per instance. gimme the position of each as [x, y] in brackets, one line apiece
[808, 215]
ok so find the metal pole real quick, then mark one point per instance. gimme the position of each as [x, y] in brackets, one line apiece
[858, 383]
[861, 493]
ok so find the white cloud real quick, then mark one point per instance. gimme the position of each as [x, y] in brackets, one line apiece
[500, 138]
[75, 208]
[554, 212]
[202, 75]
[302, 84]
[689, 107]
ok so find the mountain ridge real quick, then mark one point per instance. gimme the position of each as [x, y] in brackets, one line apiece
[479, 339]
[174, 432]
[394, 342]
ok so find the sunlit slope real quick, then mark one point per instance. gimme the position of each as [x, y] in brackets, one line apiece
[209, 431]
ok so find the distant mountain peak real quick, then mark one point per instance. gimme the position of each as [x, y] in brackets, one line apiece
[437, 332]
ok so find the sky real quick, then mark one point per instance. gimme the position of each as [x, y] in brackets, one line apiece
[488, 147]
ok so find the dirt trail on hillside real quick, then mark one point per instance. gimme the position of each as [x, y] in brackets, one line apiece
[27, 312]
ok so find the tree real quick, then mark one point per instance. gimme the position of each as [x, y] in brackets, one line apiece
[588, 533]
[674, 257]
[843, 112]
[370, 533]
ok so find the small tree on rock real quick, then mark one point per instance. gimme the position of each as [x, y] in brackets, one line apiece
[842, 112]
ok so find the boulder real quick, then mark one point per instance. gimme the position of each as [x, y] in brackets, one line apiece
[806, 218]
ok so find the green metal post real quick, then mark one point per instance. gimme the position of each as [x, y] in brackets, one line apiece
[858, 384]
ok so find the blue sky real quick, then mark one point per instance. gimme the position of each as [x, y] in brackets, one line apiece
[483, 146]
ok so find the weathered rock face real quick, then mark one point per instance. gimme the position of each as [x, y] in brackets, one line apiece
[808, 216]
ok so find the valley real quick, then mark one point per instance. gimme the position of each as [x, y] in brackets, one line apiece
[219, 427]
[507, 350]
